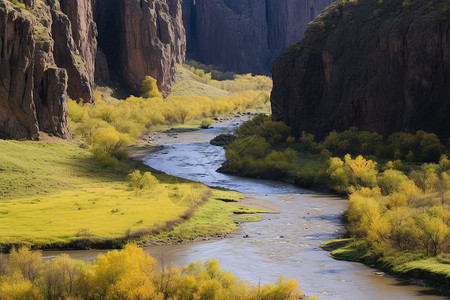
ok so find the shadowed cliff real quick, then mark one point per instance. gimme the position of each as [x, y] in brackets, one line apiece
[245, 35]
[379, 65]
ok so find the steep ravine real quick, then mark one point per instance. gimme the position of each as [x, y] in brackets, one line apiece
[245, 35]
[140, 38]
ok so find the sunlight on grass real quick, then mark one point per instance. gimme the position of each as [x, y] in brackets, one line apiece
[214, 217]
[59, 194]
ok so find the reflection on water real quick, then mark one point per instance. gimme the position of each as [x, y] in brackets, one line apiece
[287, 243]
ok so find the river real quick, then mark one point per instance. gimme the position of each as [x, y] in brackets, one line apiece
[286, 244]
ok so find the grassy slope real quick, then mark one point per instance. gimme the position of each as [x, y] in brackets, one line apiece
[435, 270]
[53, 196]
[189, 84]
[52, 193]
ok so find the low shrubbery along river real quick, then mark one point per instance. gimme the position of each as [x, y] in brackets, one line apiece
[287, 243]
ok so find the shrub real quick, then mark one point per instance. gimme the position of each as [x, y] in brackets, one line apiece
[206, 123]
[251, 146]
[391, 180]
[351, 174]
[223, 139]
[149, 88]
[306, 177]
[139, 181]
[354, 142]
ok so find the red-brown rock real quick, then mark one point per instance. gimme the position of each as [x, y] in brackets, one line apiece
[141, 38]
[31, 85]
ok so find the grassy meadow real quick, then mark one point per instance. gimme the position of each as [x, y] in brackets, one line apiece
[57, 196]
[79, 193]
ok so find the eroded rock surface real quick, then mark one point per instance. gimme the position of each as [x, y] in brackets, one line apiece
[382, 67]
[49, 51]
[141, 38]
[31, 84]
[246, 35]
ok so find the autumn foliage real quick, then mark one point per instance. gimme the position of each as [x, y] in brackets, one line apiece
[126, 274]
[393, 205]
[111, 124]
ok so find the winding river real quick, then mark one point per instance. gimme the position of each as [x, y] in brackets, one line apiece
[287, 243]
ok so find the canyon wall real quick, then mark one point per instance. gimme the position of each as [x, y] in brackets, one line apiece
[245, 35]
[380, 66]
[53, 49]
[32, 86]
[140, 38]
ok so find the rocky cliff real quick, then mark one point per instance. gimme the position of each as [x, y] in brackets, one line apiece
[49, 50]
[379, 65]
[31, 84]
[245, 35]
[140, 38]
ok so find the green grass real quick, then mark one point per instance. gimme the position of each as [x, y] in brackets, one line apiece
[52, 194]
[217, 216]
[189, 84]
[435, 270]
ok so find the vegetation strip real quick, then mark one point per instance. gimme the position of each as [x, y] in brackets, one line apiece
[399, 192]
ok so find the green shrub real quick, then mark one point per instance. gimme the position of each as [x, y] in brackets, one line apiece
[206, 123]
[139, 181]
[223, 139]
[390, 181]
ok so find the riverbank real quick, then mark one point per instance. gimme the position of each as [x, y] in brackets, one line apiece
[398, 212]
[287, 243]
[54, 196]
[416, 269]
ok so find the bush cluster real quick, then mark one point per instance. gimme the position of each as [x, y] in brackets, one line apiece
[126, 274]
[111, 124]
[418, 147]
[395, 207]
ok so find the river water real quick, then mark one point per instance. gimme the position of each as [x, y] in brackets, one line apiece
[286, 244]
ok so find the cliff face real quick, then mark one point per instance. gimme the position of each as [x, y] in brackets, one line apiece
[140, 38]
[245, 35]
[49, 50]
[76, 45]
[31, 84]
[381, 67]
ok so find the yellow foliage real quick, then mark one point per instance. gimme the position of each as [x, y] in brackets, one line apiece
[25, 262]
[351, 174]
[16, 287]
[131, 274]
[122, 274]
[149, 89]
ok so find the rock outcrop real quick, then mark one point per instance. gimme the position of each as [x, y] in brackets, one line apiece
[32, 87]
[245, 35]
[75, 35]
[140, 38]
[49, 51]
[382, 66]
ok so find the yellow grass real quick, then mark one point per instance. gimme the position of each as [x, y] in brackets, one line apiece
[59, 195]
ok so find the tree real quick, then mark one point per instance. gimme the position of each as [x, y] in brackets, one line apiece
[27, 263]
[139, 181]
[432, 233]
